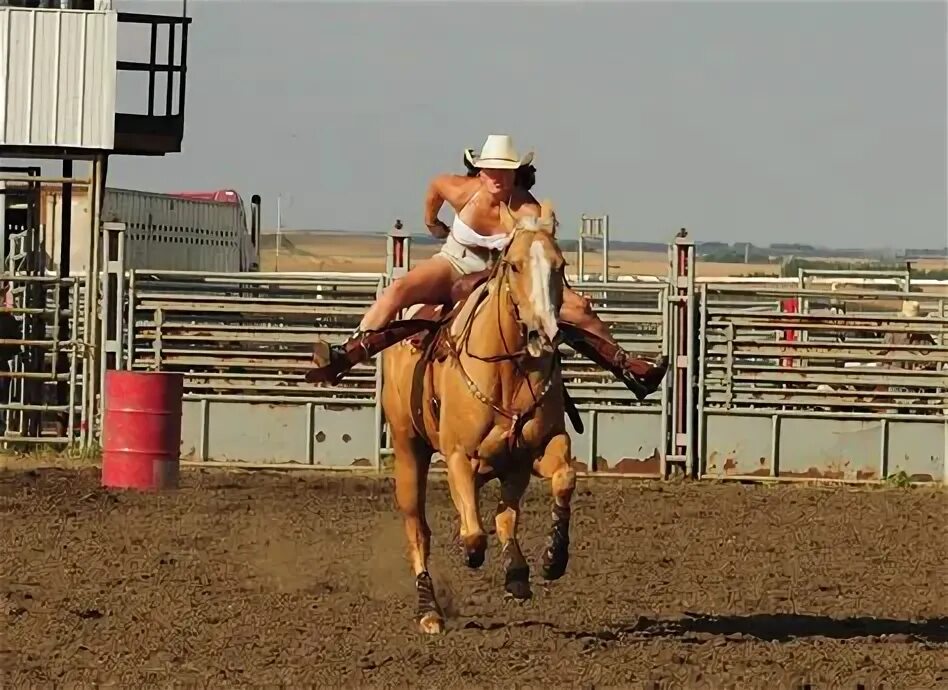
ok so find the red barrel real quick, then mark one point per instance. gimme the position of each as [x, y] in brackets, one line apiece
[141, 435]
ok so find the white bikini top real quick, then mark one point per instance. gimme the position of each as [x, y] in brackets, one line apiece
[467, 236]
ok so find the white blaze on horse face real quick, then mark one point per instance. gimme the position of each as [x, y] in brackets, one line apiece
[540, 298]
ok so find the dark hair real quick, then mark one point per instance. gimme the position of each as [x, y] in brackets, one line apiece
[471, 170]
[525, 177]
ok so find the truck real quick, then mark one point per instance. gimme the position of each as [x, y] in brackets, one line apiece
[182, 231]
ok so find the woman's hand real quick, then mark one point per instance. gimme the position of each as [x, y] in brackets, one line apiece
[438, 229]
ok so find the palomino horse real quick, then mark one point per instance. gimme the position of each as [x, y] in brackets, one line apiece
[487, 394]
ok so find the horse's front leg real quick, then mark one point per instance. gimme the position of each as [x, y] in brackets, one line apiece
[464, 489]
[555, 466]
[516, 569]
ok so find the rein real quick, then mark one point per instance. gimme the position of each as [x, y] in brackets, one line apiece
[499, 279]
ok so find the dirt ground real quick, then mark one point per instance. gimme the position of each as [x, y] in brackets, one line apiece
[259, 579]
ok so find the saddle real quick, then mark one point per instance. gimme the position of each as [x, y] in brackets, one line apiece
[460, 292]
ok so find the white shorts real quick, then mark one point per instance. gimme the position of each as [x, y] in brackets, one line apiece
[467, 260]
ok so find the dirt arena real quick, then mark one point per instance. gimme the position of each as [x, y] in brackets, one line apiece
[259, 579]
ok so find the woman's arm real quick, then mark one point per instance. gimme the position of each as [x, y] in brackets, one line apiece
[442, 188]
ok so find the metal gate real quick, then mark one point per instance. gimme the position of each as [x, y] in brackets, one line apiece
[858, 393]
[42, 357]
[243, 342]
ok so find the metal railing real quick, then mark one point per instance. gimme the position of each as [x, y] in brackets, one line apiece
[244, 342]
[177, 61]
[842, 390]
[153, 131]
[245, 336]
[866, 360]
[41, 373]
[830, 393]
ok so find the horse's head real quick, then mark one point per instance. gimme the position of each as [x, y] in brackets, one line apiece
[534, 267]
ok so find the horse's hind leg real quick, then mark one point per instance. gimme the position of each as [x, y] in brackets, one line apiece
[516, 569]
[412, 458]
[555, 466]
[463, 485]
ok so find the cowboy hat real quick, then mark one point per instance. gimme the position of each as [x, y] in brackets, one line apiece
[499, 153]
[910, 309]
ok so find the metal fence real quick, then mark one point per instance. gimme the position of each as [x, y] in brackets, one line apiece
[823, 394]
[43, 361]
[244, 342]
[620, 435]
[841, 386]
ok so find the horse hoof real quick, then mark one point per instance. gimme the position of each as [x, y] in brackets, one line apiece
[475, 551]
[517, 584]
[431, 623]
[554, 565]
[475, 558]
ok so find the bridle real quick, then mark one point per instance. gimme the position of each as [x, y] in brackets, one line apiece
[499, 279]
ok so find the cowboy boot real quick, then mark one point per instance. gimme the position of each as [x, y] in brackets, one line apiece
[638, 375]
[334, 361]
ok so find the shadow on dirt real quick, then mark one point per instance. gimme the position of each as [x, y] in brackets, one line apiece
[779, 627]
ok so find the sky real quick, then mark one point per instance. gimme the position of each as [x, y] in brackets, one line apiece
[814, 122]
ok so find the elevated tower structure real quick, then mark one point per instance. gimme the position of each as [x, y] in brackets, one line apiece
[59, 125]
[59, 81]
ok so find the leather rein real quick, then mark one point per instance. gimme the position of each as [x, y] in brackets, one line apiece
[499, 277]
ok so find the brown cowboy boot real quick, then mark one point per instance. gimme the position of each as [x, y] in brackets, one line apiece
[334, 361]
[638, 375]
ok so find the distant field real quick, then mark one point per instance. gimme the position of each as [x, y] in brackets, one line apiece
[338, 252]
[345, 252]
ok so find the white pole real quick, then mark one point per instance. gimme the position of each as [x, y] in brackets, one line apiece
[3, 226]
[605, 248]
[279, 231]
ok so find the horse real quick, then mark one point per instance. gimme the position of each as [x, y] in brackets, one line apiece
[485, 391]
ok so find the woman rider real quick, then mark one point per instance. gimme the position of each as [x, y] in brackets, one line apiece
[471, 244]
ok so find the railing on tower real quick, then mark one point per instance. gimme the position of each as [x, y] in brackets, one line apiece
[160, 129]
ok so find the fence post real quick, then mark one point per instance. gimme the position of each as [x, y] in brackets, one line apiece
[684, 346]
[397, 263]
[789, 306]
[398, 252]
[112, 293]
[593, 228]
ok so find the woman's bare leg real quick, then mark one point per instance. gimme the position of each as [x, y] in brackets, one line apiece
[578, 311]
[427, 283]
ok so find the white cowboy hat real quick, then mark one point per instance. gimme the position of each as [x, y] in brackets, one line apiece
[499, 153]
[910, 309]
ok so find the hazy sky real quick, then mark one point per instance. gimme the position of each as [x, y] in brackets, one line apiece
[815, 122]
